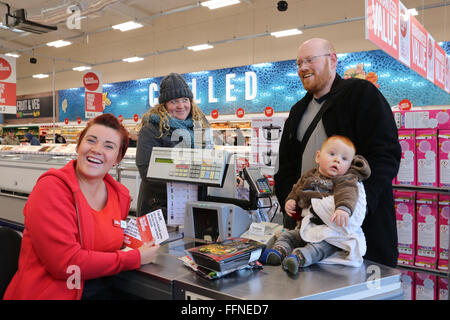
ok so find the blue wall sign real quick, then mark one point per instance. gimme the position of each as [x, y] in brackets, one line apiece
[254, 87]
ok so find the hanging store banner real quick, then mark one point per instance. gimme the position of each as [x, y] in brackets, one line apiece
[447, 73]
[404, 40]
[382, 25]
[390, 27]
[93, 99]
[418, 47]
[439, 67]
[7, 84]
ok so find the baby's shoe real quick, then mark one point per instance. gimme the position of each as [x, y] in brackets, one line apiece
[293, 262]
[270, 256]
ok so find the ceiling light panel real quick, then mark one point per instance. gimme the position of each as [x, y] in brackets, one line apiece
[59, 43]
[132, 59]
[215, 4]
[286, 33]
[12, 54]
[126, 26]
[40, 76]
[200, 47]
[82, 68]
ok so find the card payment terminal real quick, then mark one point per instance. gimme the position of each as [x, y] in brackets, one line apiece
[259, 183]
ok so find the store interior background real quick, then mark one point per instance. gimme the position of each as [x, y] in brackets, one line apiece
[166, 33]
[240, 35]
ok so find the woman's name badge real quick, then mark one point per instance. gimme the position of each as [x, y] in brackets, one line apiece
[120, 223]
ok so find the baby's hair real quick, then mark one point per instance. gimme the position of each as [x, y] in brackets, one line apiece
[344, 139]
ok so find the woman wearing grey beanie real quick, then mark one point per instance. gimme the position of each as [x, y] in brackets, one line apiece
[169, 124]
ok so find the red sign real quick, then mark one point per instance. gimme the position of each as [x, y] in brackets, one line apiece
[214, 114]
[66, 121]
[8, 96]
[268, 111]
[5, 69]
[240, 112]
[120, 117]
[382, 25]
[405, 104]
[93, 97]
[439, 67]
[8, 104]
[93, 103]
[78, 120]
[418, 48]
[136, 118]
[390, 26]
[91, 81]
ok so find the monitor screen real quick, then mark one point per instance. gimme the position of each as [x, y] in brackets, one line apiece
[206, 223]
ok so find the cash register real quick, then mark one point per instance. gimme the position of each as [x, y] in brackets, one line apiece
[219, 213]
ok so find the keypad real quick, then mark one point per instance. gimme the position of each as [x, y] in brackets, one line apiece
[205, 170]
[263, 186]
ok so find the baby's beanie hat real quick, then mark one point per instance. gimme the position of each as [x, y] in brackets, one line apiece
[173, 86]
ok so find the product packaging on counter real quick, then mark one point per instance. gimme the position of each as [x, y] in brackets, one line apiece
[146, 228]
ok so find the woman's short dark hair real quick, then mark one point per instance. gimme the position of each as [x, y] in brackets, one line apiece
[110, 121]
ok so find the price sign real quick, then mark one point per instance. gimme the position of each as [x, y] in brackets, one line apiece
[268, 111]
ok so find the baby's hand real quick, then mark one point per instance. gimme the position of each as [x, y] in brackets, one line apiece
[290, 207]
[340, 217]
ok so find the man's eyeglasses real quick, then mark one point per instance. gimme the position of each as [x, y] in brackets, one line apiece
[310, 60]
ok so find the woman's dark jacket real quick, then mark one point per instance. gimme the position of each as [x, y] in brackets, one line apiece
[152, 194]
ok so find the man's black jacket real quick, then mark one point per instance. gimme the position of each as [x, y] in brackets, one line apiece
[354, 108]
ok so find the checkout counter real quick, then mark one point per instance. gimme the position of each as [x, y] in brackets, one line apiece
[168, 277]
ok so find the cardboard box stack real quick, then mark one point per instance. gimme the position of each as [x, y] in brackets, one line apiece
[424, 136]
[423, 216]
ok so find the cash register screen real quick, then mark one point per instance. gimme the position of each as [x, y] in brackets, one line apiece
[206, 223]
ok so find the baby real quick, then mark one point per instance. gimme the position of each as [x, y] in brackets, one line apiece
[337, 174]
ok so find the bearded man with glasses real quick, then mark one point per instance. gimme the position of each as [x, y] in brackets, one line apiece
[353, 108]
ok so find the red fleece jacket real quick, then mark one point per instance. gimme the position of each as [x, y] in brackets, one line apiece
[59, 238]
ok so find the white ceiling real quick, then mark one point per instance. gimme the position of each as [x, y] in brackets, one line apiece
[239, 33]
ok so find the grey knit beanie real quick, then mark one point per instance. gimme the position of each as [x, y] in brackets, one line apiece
[173, 86]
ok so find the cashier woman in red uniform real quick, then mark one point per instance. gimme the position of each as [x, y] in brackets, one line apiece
[72, 239]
